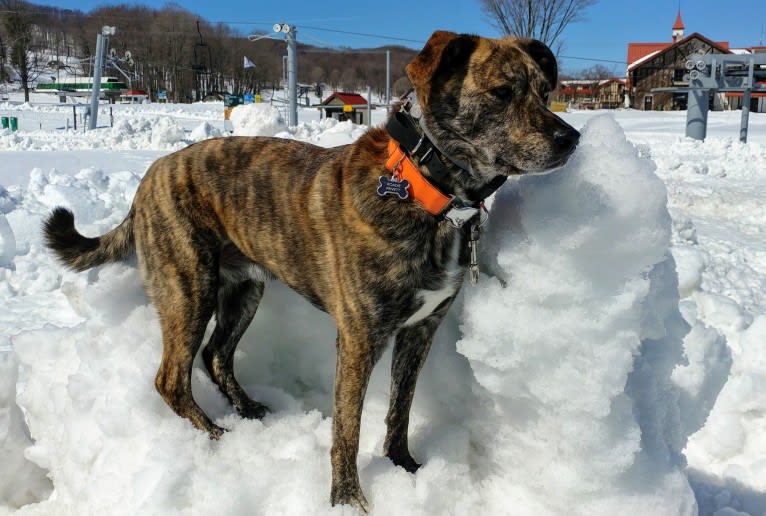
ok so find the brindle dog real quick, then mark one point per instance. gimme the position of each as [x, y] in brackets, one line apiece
[212, 222]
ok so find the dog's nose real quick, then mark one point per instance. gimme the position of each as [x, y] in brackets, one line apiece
[566, 139]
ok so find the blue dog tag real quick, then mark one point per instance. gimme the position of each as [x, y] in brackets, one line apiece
[393, 186]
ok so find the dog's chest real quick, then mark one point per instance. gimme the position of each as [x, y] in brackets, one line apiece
[428, 300]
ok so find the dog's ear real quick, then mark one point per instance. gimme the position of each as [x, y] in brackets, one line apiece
[442, 49]
[543, 56]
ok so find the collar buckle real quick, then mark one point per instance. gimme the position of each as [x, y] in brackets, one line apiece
[458, 216]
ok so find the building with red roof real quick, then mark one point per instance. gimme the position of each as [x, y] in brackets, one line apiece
[345, 106]
[662, 65]
[591, 93]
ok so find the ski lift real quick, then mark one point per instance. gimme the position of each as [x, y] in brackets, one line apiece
[203, 59]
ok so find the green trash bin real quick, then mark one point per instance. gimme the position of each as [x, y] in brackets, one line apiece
[14, 123]
[4, 122]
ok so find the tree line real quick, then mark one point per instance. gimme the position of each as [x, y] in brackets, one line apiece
[173, 50]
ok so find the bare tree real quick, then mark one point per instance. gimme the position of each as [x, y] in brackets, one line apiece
[167, 51]
[540, 19]
[597, 72]
[3, 74]
[19, 29]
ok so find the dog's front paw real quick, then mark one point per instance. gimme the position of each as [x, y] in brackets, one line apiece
[252, 410]
[350, 496]
[215, 432]
[403, 460]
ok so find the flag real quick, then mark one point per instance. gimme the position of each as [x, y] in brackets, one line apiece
[248, 63]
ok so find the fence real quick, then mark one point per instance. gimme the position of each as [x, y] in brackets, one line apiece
[51, 118]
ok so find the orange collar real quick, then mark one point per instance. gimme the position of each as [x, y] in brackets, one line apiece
[423, 192]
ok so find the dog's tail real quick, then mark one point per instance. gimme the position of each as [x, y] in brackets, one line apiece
[80, 252]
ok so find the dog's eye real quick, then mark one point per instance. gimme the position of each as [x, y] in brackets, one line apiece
[502, 92]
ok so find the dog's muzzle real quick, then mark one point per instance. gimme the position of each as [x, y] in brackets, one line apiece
[565, 140]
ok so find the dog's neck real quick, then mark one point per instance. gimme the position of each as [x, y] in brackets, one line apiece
[448, 174]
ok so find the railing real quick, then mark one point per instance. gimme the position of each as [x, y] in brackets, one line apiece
[719, 73]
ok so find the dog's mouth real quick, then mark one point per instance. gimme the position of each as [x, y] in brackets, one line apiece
[512, 169]
[562, 146]
[563, 158]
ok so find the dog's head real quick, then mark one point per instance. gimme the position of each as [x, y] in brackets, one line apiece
[485, 102]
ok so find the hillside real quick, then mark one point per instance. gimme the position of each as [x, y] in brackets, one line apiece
[173, 49]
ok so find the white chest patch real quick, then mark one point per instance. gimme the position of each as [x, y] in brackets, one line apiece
[433, 298]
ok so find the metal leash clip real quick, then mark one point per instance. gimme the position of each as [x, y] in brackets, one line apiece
[473, 268]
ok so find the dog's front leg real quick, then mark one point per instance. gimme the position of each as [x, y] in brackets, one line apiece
[410, 352]
[356, 357]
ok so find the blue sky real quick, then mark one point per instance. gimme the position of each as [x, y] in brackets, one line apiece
[604, 34]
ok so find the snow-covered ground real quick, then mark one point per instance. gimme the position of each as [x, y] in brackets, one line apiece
[612, 359]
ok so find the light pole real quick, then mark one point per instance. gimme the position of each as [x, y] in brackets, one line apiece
[101, 40]
[292, 67]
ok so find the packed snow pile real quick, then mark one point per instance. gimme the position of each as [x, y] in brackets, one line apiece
[23, 482]
[327, 132]
[576, 341]
[7, 242]
[257, 120]
[558, 385]
[267, 120]
[122, 126]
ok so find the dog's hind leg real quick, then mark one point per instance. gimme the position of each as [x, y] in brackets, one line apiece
[182, 333]
[183, 321]
[410, 352]
[237, 303]
[180, 276]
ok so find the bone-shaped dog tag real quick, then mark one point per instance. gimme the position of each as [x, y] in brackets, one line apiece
[392, 186]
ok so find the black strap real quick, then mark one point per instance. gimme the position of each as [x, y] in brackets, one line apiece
[403, 129]
[490, 188]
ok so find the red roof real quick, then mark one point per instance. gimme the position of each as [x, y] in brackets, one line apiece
[638, 51]
[347, 98]
[135, 92]
[679, 25]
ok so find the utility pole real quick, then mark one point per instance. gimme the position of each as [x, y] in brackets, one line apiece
[388, 80]
[292, 71]
[292, 66]
[101, 42]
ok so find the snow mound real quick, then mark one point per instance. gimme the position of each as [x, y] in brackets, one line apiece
[7, 242]
[257, 120]
[730, 442]
[23, 482]
[576, 340]
[204, 131]
[166, 133]
[327, 132]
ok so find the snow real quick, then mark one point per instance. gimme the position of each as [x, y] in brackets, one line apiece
[610, 360]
